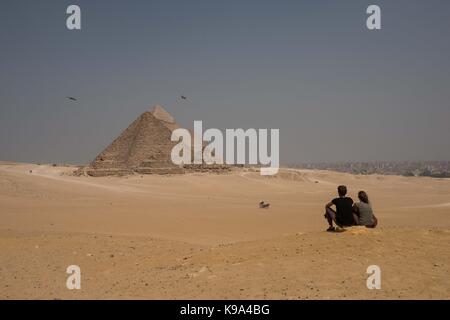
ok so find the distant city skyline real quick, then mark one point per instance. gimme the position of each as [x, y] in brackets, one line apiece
[336, 90]
[435, 169]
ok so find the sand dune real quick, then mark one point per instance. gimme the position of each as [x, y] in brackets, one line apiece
[203, 235]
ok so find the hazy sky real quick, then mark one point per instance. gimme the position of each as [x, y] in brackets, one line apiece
[336, 90]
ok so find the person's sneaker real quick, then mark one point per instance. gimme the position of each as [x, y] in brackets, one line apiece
[331, 229]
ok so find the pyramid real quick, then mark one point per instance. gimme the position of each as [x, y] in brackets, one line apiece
[166, 118]
[143, 147]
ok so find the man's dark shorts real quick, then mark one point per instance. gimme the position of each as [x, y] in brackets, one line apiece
[330, 213]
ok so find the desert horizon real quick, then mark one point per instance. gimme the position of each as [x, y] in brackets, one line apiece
[201, 236]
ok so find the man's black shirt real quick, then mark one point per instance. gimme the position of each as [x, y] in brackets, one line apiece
[344, 215]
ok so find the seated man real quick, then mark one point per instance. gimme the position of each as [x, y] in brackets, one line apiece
[343, 216]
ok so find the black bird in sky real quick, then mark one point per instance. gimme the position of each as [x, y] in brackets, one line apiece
[72, 98]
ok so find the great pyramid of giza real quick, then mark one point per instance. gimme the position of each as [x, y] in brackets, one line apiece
[144, 147]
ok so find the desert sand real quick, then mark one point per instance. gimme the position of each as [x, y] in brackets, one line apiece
[202, 235]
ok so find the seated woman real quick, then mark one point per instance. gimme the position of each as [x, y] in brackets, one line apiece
[363, 213]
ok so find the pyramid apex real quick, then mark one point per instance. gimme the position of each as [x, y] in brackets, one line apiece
[161, 114]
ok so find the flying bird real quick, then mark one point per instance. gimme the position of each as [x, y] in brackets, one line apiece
[72, 98]
[183, 97]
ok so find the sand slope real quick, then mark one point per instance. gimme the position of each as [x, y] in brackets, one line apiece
[203, 236]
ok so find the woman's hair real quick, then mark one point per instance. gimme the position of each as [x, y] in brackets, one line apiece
[362, 195]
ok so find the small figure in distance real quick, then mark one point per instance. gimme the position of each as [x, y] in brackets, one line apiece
[263, 205]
